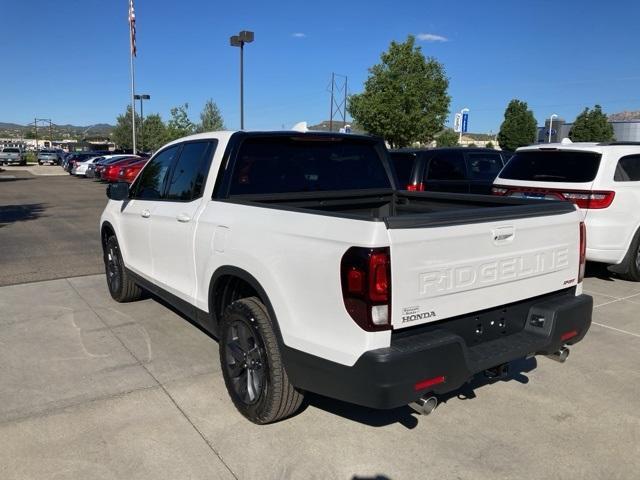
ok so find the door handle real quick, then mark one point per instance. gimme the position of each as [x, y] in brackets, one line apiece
[183, 218]
[145, 213]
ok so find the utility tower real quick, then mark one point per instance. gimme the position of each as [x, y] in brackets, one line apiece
[338, 99]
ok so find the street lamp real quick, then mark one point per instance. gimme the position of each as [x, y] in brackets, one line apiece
[239, 40]
[141, 98]
[553, 115]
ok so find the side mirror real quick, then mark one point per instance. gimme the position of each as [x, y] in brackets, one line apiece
[118, 191]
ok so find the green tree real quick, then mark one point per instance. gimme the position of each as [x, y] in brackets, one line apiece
[179, 124]
[472, 145]
[591, 126]
[121, 134]
[210, 118]
[405, 97]
[489, 144]
[448, 138]
[155, 132]
[519, 127]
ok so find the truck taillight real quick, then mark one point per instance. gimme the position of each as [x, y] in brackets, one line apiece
[366, 287]
[583, 251]
[416, 187]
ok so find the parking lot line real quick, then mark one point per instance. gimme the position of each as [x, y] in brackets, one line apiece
[616, 329]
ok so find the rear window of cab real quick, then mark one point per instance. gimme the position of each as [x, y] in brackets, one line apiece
[552, 166]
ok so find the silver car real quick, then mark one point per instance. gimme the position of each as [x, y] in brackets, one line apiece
[12, 156]
[49, 157]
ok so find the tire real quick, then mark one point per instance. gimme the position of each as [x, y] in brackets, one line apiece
[631, 262]
[121, 286]
[247, 335]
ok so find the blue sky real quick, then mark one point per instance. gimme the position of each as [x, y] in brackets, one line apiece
[68, 60]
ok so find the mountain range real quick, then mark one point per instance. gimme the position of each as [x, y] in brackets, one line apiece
[59, 132]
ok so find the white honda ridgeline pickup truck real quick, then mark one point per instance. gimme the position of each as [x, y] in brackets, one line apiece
[297, 252]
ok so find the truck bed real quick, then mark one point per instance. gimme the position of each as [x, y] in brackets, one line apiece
[410, 209]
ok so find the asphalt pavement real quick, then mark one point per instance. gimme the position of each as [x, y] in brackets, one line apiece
[100, 390]
[49, 224]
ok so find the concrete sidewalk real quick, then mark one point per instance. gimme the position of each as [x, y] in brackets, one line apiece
[92, 389]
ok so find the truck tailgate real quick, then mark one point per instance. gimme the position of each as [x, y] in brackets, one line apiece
[444, 271]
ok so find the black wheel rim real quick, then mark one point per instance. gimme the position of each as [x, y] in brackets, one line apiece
[244, 362]
[114, 273]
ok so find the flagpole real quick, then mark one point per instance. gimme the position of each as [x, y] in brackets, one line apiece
[133, 103]
[132, 51]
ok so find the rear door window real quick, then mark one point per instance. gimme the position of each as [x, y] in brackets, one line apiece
[446, 166]
[403, 163]
[484, 166]
[189, 174]
[553, 166]
[151, 181]
[628, 169]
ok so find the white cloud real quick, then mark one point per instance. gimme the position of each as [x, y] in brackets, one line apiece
[298, 35]
[431, 37]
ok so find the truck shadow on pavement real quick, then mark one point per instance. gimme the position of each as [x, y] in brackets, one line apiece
[405, 415]
[599, 271]
[20, 213]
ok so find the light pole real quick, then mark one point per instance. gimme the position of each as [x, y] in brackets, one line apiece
[141, 98]
[462, 112]
[239, 40]
[553, 115]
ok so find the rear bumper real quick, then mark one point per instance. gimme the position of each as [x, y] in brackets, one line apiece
[386, 377]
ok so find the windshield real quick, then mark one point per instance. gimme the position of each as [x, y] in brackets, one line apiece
[11, 150]
[297, 164]
[552, 166]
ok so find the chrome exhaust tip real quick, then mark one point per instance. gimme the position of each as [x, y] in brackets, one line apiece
[560, 356]
[424, 405]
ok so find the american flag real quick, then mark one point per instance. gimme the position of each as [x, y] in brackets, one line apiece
[132, 28]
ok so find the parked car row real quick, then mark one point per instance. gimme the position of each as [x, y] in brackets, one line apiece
[109, 168]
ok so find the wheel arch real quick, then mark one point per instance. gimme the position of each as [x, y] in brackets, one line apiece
[226, 282]
[106, 230]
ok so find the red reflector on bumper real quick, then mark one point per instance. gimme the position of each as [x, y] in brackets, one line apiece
[430, 382]
[568, 335]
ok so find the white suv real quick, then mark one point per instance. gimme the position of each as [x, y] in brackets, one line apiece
[602, 179]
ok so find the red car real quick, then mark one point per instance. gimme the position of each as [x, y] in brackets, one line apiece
[110, 173]
[130, 172]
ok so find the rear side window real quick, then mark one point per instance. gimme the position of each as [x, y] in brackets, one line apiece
[403, 164]
[628, 169]
[446, 166]
[553, 166]
[189, 174]
[484, 166]
[150, 182]
[295, 164]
